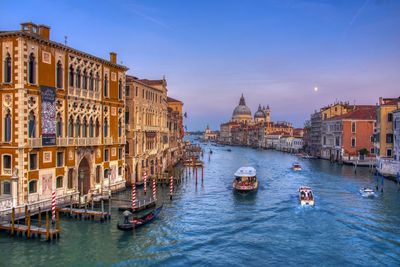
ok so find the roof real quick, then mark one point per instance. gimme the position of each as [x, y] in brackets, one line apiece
[361, 112]
[39, 38]
[170, 99]
[245, 172]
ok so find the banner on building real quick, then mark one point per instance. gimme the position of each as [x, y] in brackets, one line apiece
[48, 115]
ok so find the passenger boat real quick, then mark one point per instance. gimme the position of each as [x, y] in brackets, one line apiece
[245, 180]
[131, 223]
[367, 192]
[296, 166]
[306, 196]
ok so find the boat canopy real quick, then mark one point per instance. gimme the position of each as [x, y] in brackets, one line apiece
[245, 172]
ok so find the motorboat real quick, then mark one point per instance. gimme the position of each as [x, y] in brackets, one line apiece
[367, 192]
[229, 150]
[131, 223]
[245, 180]
[296, 166]
[306, 196]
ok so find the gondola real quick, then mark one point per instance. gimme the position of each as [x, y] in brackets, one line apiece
[132, 223]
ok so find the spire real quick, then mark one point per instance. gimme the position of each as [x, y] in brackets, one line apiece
[259, 107]
[242, 102]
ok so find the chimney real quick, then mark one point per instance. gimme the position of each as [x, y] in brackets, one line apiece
[113, 57]
[44, 31]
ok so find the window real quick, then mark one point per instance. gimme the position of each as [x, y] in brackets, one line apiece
[7, 164]
[70, 178]
[126, 117]
[7, 69]
[119, 171]
[59, 125]
[97, 128]
[105, 85]
[127, 148]
[32, 186]
[105, 127]
[106, 155]
[372, 139]
[120, 153]
[96, 84]
[59, 74]
[6, 188]
[7, 126]
[98, 171]
[78, 127]
[372, 151]
[31, 69]
[32, 161]
[353, 126]
[31, 125]
[120, 89]
[71, 76]
[60, 159]
[119, 128]
[390, 117]
[59, 182]
[91, 81]
[71, 127]
[127, 89]
[324, 140]
[353, 142]
[388, 152]
[106, 173]
[389, 138]
[84, 127]
[91, 128]
[136, 93]
[337, 141]
[78, 78]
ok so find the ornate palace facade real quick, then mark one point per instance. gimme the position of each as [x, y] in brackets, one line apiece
[62, 119]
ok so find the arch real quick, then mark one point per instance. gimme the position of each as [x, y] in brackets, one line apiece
[70, 181]
[31, 125]
[71, 126]
[78, 127]
[91, 81]
[59, 125]
[84, 176]
[7, 126]
[91, 127]
[84, 79]
[78, 77]
[71, 76]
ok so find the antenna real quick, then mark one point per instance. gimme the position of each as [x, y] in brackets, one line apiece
[65, 40]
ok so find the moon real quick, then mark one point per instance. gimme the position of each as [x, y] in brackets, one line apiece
[315, 89]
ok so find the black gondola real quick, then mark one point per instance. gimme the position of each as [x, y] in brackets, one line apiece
[131, 223]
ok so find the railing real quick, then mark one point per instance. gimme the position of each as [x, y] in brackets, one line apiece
[35, 142]
[85, 141]
[108, 140]
[121, 140]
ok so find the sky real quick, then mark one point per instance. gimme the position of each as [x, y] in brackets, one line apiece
[275, 52]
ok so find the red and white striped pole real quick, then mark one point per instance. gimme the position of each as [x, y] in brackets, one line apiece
[171, 187]
[53, 206]
[154, 189]
[133, 196]
[145, 183]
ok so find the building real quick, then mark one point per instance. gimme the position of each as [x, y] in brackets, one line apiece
[349, 136]
[176, 131]
[210, 135]
[396, 133]
[62, 118]
[146, 127]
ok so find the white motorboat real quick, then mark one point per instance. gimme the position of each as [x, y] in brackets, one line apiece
[245, 180]
[296, 166]
[367, 192]
[306, 196]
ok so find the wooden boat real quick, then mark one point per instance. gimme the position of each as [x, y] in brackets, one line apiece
[296, 166]
[131, 223]
[306, 196]
[245, 180]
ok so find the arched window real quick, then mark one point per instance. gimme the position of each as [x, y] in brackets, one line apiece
[91, 81]
[105, 127]
[33, 186]
[84, 79]
[71, 76]
[78, 78]
[119, 128]
[106, 173]
[6, 188]
[78, 127]
[71, 127]
[70, 181]
[7, 126]
[31, 125]
[84, 127]
[59, 182]
[91, 127]
[59, 75]
[97, 128]
[59, 125]
[96, 85]
[7, 69]
[120, 89]
[105, 85]
[31, 69]
[127, 148]
[98, 173]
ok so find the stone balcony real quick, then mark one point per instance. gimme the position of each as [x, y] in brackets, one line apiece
[85, 141]
[34, 142]
[108, 141]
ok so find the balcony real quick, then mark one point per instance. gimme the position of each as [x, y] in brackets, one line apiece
[70, 141]
[34, 142]
[122, 140]
[108, 141]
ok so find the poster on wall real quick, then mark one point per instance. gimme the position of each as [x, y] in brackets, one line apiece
[46, 185]
[48, 115]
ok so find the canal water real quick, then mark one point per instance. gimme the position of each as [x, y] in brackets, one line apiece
[209, 225]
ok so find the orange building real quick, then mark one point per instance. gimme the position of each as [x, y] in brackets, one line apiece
[62, 119]
[176, 131]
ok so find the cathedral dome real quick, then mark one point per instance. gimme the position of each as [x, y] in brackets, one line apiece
[241, 110]
[259, 113]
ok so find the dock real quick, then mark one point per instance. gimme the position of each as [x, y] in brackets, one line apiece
[29, 231]
[85, 213]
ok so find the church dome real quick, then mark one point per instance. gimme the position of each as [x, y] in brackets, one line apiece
[259, 113]
[241, 110]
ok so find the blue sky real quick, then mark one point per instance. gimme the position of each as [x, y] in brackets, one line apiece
[273, 51]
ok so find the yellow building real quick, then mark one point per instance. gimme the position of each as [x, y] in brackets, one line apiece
[176, 131]
[384, 127]
[62, 119]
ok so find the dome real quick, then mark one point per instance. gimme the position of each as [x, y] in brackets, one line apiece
[241, 109]
[259, 113]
